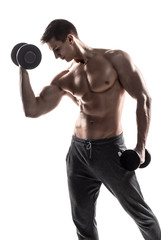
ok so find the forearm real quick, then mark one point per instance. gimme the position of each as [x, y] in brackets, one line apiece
[143, 116]
[28, 97]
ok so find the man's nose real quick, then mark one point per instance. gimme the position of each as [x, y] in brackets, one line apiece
[57, 55]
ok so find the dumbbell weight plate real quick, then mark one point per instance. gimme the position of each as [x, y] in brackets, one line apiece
[130, 160]
[29, 56]
[147, 159]
[14, 52]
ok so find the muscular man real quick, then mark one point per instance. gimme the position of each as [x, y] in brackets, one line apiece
[96, 81]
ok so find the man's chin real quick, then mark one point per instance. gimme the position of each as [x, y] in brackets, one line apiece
[68, 60]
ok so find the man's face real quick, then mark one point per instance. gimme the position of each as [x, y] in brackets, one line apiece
[63, 50]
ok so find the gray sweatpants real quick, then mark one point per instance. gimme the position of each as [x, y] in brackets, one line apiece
[93, 162]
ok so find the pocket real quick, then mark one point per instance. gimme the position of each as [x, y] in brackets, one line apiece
[120, 150]
[68, 153]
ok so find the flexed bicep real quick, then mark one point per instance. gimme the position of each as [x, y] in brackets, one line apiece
[49, 99]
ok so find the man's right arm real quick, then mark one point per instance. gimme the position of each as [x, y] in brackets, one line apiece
[48, 99]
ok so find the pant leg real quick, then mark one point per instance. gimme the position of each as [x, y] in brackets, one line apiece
[124, 185]
[83, 190]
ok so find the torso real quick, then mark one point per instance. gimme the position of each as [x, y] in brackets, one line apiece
[96, 86]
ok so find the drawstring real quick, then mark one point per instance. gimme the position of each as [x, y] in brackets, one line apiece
[89, 147]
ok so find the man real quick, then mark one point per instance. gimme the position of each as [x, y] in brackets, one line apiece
[96, 81]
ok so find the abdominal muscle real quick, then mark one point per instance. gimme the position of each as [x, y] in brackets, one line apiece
[96, 127]
[100, 117]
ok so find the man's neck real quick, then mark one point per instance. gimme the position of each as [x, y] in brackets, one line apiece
[83, 52]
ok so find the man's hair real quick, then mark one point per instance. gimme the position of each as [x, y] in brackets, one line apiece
[59, 29]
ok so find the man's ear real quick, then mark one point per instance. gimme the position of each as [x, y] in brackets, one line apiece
[70, 38]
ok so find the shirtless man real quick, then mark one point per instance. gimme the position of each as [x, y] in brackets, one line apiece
[96, 82]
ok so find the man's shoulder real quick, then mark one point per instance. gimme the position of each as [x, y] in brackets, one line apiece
[117, 57]
[115, 53]
[110, 54]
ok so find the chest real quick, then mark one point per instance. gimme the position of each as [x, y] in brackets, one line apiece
[96, 76]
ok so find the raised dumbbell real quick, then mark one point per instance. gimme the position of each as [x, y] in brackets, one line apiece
[26, 55]
[130, 160]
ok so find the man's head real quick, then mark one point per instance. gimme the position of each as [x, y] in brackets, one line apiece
[59, 29]
[59, 36]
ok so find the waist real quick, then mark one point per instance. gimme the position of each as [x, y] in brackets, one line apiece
[116, 139]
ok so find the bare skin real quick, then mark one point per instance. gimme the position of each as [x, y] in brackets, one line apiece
[96, 81]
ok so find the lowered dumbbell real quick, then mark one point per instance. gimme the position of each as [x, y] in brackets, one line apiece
[26, 55]
[130, 160]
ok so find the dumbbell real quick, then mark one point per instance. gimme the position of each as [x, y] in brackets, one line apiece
[26, 55]
[130, 160]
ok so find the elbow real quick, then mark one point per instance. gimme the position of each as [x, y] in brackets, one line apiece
[148, 100]
[31, 109]
[145, 100]
[31, 114]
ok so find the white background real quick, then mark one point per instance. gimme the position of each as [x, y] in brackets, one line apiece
[34, 201]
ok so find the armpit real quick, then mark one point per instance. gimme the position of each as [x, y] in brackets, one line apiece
[75, 100]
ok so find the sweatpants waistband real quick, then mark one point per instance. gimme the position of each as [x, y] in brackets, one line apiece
[118, 139]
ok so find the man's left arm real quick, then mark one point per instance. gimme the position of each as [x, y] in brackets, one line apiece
[132, 81]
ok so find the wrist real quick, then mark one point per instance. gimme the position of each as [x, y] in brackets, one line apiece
[140, 148]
